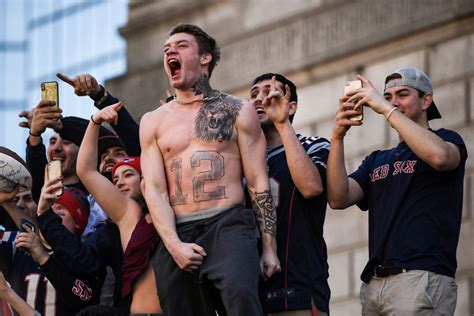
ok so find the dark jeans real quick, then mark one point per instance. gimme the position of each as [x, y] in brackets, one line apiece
[231, 268]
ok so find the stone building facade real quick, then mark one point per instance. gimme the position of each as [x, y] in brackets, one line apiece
[320, 44]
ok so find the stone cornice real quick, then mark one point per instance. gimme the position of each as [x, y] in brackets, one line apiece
[336, 31]
[144, 15]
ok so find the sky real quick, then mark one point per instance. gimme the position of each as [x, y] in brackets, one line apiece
[39, 38]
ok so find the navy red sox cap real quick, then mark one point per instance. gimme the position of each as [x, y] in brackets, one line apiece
[417, 79]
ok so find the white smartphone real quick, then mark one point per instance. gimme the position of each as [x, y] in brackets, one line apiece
[54, 171]
[349, 87]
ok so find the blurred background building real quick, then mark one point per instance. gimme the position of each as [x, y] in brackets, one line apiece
[319, 44]
[39, 38]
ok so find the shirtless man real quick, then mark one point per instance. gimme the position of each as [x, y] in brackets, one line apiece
[195, 151]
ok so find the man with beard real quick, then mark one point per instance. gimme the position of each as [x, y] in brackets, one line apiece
[195, 151]
[297, 171]
[64, 143]
[101, 247]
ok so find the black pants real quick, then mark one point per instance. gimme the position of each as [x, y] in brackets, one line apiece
[231, 267]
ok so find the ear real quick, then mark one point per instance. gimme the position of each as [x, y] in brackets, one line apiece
[426, 101]
[293, 107]
[205, 59]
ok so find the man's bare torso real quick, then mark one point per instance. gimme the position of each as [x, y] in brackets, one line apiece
[198, 143]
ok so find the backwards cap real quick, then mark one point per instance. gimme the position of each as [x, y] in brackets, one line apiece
[417, 79]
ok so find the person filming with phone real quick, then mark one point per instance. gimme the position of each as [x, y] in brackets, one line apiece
[31, 267]
[297, 171]
[47, 114]
[414, 195]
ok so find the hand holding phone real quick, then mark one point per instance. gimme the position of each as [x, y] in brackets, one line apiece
[31, 244]
[50, 92]
[22, 229]
[26, 222]
[54, 171]
[348, 88]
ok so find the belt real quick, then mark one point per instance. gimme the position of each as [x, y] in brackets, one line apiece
[382, 272]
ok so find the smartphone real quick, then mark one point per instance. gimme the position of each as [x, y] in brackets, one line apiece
[50, 92]
[21, 229]
[54, 171]
[349, 87]
[27, 223]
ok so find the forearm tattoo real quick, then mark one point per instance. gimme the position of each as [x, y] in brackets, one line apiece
[265, 212]
[217, 115]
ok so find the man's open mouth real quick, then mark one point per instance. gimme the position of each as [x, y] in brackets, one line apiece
[62, 159]
[174, 66]
[260, 110]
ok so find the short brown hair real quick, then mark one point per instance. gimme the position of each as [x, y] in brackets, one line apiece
[205, 42]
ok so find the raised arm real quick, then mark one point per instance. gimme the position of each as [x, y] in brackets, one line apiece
[252, 146]
[46, 114]
[342, 190]
[433, 150]
[304, 173]
[122, 210]
[80, 257]
[77, 292]
[126, 128]
[30, 240]
[188, 256]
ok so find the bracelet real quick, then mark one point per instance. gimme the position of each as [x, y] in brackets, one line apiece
[102, 99]
[36, 135]
[99, 94]
[391, 112]
[92, 120]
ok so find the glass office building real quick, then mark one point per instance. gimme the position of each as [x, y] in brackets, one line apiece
[39, 38]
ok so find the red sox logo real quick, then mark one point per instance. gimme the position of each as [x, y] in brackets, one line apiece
[82, 291]
[381, 172]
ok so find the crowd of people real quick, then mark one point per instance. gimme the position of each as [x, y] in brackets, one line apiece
[216, 205]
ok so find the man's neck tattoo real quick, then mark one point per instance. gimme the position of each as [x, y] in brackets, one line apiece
[201, 87]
